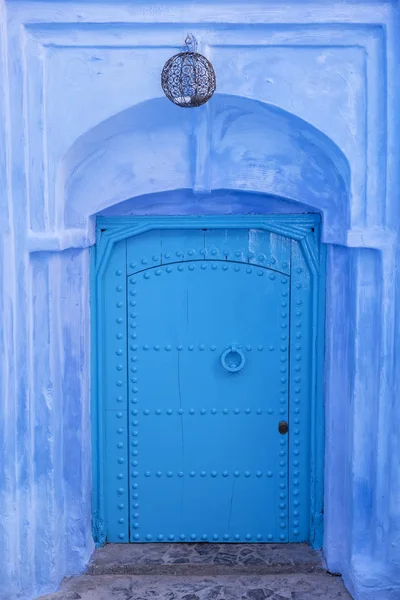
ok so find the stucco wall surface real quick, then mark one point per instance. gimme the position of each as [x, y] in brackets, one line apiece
[304, 119]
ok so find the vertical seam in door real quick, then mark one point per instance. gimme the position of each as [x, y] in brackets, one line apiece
[182, 434]
[180, 406]
[231, 505]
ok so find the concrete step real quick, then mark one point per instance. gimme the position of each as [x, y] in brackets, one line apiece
[298, 586]
[204, 559]
[203, 572]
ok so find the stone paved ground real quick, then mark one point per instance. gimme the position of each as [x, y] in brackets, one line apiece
[303, 586]
[203, 572]
[204, 559]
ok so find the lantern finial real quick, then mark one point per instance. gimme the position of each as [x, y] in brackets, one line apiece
[190, 43]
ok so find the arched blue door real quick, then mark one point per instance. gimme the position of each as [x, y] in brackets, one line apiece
[209, 380]
[206, 387]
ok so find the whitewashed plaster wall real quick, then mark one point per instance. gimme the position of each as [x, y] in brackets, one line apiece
[305, 110]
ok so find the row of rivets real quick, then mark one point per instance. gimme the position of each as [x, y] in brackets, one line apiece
[215, 536]
[119, 366]
[133, 334]
[214, 266]
[119, 351]
[211, 473]
[133, 379]
[192, 347]
[204, 252]
[296, 388]
[213, 411]
[156, 258]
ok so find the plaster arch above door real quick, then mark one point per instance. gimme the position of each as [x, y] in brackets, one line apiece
[234, 143]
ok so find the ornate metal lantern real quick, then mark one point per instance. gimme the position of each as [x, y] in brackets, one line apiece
[188, 78]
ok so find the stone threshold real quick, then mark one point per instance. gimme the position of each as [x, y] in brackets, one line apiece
[203, 572]
[199, 559]
[299, 586]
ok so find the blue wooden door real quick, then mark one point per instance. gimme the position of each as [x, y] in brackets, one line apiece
[208, 327]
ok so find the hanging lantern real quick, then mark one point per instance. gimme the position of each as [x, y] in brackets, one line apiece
[188, 78]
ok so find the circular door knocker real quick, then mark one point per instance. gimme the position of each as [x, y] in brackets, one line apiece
[233, 359]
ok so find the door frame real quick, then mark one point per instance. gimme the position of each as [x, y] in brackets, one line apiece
[303, 228]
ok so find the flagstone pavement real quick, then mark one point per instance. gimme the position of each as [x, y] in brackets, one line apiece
[204, 572]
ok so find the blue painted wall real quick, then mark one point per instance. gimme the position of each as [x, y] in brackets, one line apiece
[306, 110]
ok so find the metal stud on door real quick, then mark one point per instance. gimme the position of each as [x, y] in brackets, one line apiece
[208, 388]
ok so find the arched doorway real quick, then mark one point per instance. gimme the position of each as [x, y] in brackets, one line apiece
[208, 341]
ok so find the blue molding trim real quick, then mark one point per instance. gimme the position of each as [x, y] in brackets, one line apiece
[306, 230]
[110, 230]
[318, 429]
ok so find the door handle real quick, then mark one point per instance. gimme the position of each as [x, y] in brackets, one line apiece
[233, 359]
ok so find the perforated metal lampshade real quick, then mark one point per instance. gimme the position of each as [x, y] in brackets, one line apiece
[188, 79]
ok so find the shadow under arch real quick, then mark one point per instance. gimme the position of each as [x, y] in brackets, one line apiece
[186, 202]
[233, 143]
